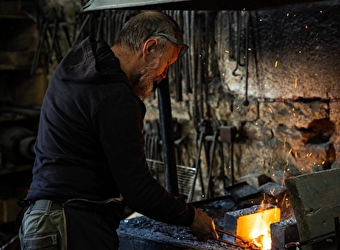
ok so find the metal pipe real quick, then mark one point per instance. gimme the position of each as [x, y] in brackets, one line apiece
[167, 136]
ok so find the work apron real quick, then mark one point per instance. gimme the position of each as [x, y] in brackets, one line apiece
[75, 224]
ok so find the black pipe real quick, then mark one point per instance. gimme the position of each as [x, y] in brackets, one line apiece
[167, 136]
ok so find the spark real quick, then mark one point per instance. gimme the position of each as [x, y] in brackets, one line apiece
[276, 63]
[296, 82]
[270, 110]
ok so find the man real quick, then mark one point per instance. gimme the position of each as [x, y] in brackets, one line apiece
[90, 160]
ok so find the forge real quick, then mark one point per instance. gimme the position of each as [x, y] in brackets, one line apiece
[144, 233]
[253, 224]
[234, 212]
[295, 220]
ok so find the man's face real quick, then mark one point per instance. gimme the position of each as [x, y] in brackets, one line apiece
[155, 70]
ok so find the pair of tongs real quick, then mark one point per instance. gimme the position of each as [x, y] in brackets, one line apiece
[241, 242]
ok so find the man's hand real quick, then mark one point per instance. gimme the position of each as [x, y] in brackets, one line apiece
[203, 227]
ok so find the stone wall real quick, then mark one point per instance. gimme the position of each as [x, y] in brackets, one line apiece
[279, 88]
[273, 74]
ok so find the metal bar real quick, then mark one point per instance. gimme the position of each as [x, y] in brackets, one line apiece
[211, 163]
[246, 102]
[167, 136]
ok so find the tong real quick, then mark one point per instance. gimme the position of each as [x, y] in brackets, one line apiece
[243, 243]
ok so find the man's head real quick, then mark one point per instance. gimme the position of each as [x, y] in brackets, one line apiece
[153, 41]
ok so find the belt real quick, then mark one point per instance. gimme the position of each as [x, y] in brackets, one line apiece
[46, 205]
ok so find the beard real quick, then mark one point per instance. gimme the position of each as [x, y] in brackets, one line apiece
[144, 82]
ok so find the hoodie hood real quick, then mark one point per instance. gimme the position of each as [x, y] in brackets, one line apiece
[91, 62]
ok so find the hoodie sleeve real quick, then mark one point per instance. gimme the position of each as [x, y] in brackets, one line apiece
[119, 123]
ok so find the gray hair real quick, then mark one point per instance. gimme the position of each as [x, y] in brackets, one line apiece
[144, 25]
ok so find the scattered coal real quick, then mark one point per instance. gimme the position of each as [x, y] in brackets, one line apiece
[153, 235]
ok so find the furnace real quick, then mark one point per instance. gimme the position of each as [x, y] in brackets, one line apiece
[253, 224]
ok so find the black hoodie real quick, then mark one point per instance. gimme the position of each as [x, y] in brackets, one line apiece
[90, 143]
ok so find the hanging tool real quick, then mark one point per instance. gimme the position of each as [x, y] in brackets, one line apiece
[246, 102]
[147, 138]
[197, 76]
[178, 80]
[240, 25]
[198, 163]
[55, 43]
[238, 48]
[231, 35]
[227, 135]
[187, 56]
[214, 139]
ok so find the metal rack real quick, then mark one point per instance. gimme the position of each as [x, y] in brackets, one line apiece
[185, 175]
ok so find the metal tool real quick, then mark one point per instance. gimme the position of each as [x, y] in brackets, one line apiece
[241, 242]
[214, 139]
[227, 135]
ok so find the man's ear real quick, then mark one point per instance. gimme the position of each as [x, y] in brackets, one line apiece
[149, 47]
